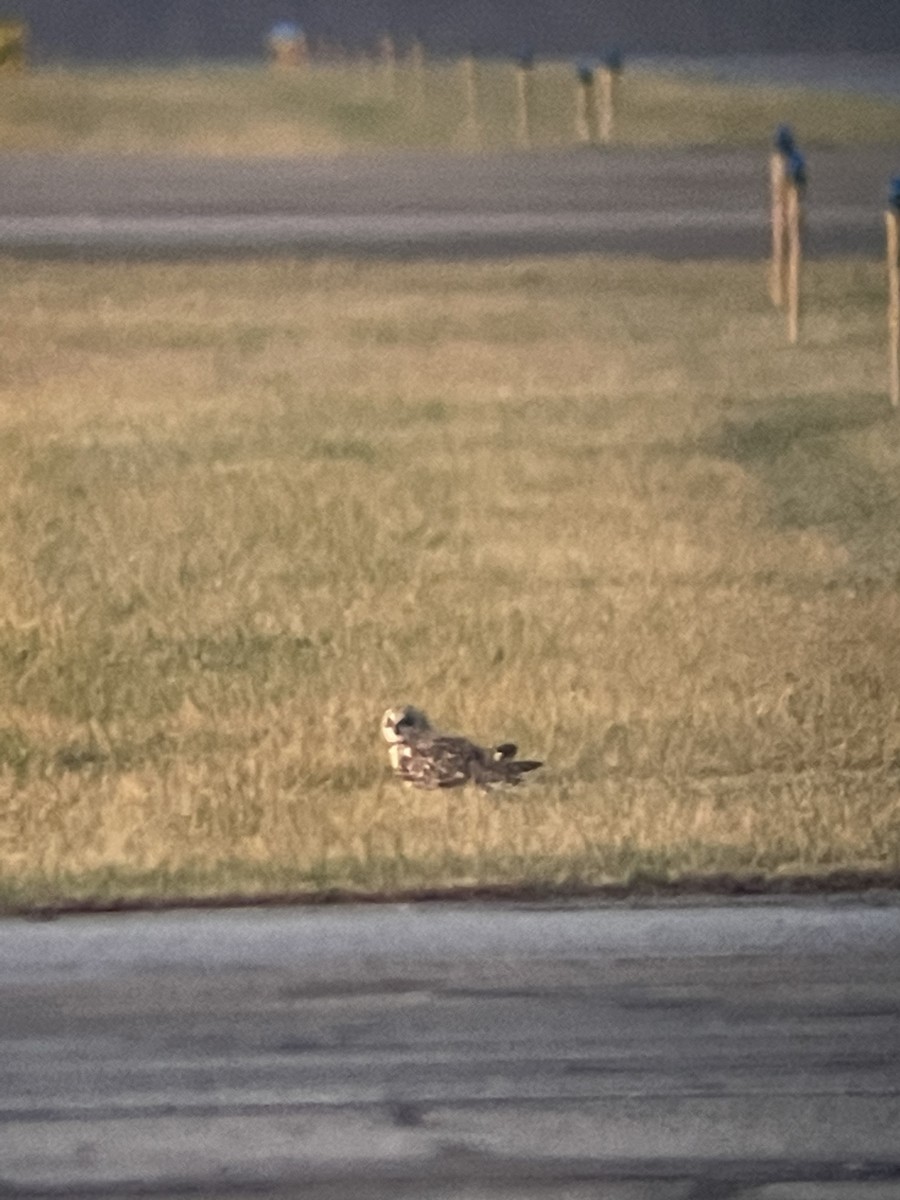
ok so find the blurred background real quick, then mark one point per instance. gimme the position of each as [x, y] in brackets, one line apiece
[164, 30]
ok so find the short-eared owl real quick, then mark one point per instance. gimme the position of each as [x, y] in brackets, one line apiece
[427, 759]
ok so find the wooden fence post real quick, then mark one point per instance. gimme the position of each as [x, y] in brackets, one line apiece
[778, 187]
[778, 182]
[387, 53]
[524, 70]
[796, 183]
[417, 72]
[892, 223]
[584, 101]
[469, 71]
[287, 45]
[606, 99]
[13, 45]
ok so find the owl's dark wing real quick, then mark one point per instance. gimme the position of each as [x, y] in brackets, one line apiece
[442, 761]
[445, 761]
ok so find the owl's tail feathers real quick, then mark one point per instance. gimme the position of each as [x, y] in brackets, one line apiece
[517, 767]
[510, 768]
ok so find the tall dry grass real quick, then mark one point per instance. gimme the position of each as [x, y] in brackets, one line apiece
[597, 507]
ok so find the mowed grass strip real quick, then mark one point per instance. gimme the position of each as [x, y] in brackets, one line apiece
[248, 110]
[598, 507]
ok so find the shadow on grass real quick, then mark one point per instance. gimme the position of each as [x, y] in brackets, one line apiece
[751, 438]
[816, 472]
[878, 886]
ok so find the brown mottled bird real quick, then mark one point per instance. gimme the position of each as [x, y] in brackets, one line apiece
[427, 759]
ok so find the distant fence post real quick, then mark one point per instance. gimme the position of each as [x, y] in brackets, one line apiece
[796, 184]
[524, 70]
[13, 45]
[892, 223]
[782, 149]
[610, 71]
[584, 100]
[469, 70]
[388, 54]
[287, 45]
[417, 75]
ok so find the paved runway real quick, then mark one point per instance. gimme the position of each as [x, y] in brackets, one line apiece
[456, 1051]
[685, 203]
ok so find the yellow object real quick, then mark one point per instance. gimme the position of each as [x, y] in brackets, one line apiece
[13, 45]
[288, 48]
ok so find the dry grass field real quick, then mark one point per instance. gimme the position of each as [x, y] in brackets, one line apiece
[597, 507]
[233, 110]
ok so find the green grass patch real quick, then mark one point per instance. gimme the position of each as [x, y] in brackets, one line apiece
[598, 507]
[233, 110]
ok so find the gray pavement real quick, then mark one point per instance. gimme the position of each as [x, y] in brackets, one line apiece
[747, 1051]
[669, 203]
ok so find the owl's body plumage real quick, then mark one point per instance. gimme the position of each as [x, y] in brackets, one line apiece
[421, 756]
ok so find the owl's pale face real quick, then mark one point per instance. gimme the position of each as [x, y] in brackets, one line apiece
[398, 723]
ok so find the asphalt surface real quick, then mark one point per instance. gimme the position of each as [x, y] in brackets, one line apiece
[749, 1052]
[688, 203]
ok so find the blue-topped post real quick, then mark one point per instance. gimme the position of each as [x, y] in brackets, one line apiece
[524, 63]
[795, 186]
[892, 225]
[584, 99]
[287, 44]
[782, 147]
[610, 72]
